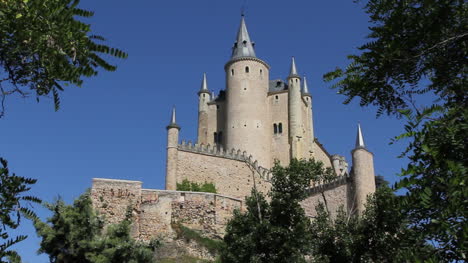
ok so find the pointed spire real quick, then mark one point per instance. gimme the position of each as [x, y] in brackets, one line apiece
[243, 46]
[204, 86]
[293, 72]
[305, 88]
[173, 123]
[213, 95]
[359, 138]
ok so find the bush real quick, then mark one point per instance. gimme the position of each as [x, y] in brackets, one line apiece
[187, 185]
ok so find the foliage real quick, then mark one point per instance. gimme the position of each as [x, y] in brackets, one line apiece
[74, 233]
[187, 185]
[12, 206]
[381, 234]
[45, 47]
[415, 67]
[214, 246]
[272, 231]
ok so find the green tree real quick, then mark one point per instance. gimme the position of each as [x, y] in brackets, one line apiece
[415, 67]
[381, 234]
[45, 46]
[187, 185]
[74, 233]
[276, 230]
[13, 205]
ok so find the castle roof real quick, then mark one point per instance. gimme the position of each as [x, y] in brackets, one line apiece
[305, 88]
[243, 47]
[277, 85]
[293, 72]
[204, 85]
[359, 138]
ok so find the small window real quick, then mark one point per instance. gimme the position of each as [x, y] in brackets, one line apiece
[245, 43]
[278, 84]
[261, 72]
[203, 95]
[275, 128]
[217, 107]
[280, 128]
[246, 69]
[232, 72]
[276, 97]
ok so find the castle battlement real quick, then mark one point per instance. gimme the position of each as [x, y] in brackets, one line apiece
[233, 154]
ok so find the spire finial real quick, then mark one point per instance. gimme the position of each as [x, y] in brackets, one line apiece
[293, 71]
[204, 85]
[305, 88]
[173, 123]
[359, 138]
[243, 46]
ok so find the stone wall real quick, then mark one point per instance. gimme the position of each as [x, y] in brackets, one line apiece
[279, 114]
[337, 194]
[154, 211]
[232, 172]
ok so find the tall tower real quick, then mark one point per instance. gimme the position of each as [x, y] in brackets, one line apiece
[309, 120]
[247, 120]
[362, 172]
[296, 135]
[203, 99]
[172, 142]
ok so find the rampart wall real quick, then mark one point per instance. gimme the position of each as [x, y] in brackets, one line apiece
[334, 195]
[154, 211]
[233, 172]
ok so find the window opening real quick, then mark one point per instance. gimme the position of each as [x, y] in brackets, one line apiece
[280, 128]
[246, 69]
[232, 72]
[275, 128]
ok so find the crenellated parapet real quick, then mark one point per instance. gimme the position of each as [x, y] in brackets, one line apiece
[322, 187]
[233, 154]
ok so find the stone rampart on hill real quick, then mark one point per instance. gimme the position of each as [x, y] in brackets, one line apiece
[233, 172]
[154, 211]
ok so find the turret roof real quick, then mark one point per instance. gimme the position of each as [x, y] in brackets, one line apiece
[359, 138]
[293, 71]
[243, 47]
[305, 88]
[173, 123]
[204, 85]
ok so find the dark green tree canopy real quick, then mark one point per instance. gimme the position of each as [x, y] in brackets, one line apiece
[45, 46]
[415, 66]
[74, 233]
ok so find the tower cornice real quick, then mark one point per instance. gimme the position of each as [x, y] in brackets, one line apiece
[232, 61]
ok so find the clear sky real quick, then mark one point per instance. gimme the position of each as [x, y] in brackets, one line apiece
[114, 127]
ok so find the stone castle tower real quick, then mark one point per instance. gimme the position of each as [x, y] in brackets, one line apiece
[241, 133]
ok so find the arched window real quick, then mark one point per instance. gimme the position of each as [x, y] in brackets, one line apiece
[280, 128]
[232, 72]
[275, 128]
[261, 72]
[246, 69]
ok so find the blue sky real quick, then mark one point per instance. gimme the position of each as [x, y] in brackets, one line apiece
[114, 126]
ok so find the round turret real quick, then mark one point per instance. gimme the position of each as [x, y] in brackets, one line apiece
[247, 120]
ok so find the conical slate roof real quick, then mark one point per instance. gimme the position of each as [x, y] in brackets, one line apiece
[173, 123]
[293, 71]
[204, 85]
[305, 88]
[243, 46]
[359, 138]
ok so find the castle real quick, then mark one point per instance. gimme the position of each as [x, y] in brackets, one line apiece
[242, 132]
